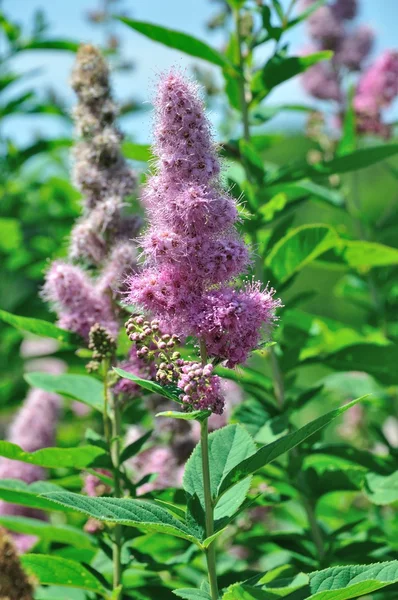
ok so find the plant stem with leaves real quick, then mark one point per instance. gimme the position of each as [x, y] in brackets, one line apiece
[112, 434]
[209, 508]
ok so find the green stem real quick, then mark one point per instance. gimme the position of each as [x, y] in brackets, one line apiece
[279, 386]
[210, 550]
[113, 439]
[209, 509]
[115, 456]
[105, 367]
[242, 81]
[315, 529]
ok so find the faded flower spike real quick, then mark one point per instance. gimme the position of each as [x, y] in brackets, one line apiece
[100, 170]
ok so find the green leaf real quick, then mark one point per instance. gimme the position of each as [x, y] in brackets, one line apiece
[177, 40]
[281, 68]
[381, 489]
[19, 492]
[228, 446]
[134, 513]
[199, 415]
[360, 159]
[365, 255]
[81, 387]
[270, 452]
[273, 206]
[165, 391]
[300, 189]
[299, 248]
[36, 44]
[344, 583]
[192, 594]
[53, 570]
[133, 448]
[139, 152]
[53, 458]
[10, 234]
[379, 361]
[335, 583]
[348, 141]
[64, 534]
[39, 327]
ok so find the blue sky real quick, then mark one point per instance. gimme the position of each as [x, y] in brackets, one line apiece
[68, 19]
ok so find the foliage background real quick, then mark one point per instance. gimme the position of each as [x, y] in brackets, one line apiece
[39, 205]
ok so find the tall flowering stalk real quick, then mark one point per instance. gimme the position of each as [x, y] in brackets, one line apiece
[193, 256]
[102, 239]
[100, 171]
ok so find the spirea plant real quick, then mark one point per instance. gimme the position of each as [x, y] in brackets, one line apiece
[174, 441]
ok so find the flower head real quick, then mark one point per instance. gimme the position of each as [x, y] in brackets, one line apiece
[193, 252]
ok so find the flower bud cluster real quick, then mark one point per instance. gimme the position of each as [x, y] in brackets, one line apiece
[102, 344]
[200, 389]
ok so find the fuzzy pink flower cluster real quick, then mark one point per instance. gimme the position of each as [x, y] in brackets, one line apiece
[77, 301]
[192, 249]
[377, 88]
[329, 28]
[32, 429]
[102, 237]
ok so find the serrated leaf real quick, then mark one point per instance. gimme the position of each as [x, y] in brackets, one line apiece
[134, 513]
[344, 583]
[228, 446]
[335, 583]
[165, 391]
[177, 40]
[39, 327]
[81, 387]
[268, 453]
[53, 458]
[380, 489]
[64, 534]
[54, 570]
[21, 493]
[299, 248]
